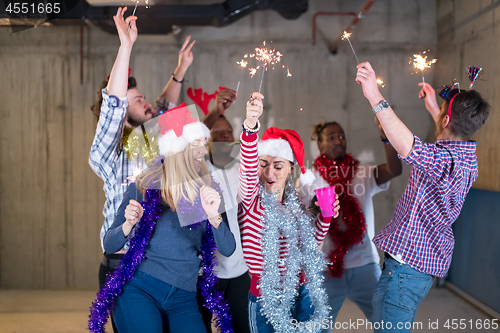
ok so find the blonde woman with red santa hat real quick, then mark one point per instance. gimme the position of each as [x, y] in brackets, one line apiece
[280, 242]
[179, 218]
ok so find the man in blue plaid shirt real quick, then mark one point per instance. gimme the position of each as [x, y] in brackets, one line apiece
[120, 108]
[418, 243]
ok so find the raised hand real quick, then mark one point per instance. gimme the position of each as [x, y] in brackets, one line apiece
[185, 54]
[224, 99]
[368, 80]
[127, 39]
[210, 201]
[254, 109]
[428, 94]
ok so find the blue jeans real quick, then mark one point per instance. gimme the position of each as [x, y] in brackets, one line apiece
[357, 284]
[302, 311]
[152, 306]
[399, 291]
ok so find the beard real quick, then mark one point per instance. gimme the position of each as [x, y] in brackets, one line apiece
[135, 121]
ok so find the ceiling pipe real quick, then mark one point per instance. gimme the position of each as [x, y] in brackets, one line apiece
[333, 48]
[325, 14]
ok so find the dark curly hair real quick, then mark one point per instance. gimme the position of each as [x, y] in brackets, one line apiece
[319, 128]
[469, 111]
[96, 108]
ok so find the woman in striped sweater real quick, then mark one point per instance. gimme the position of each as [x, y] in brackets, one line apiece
[280, 244]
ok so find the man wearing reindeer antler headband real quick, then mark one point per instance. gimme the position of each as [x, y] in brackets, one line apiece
[120, 108]
[418, 243]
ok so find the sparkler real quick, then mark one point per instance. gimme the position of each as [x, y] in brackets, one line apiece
[262, 77]
[243, 64]
[132, 179]
[346, 35]
[133, 13]
[268, 56]
[421, 62]
[380, 82]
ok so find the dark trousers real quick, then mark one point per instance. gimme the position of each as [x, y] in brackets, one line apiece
[109, 263]
[236, 294]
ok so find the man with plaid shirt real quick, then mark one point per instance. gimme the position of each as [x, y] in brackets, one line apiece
[418, 243]
[120, 108]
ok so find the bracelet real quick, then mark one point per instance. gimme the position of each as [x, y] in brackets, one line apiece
[249, 143]
[251, 130]
[173, 78]
[385, 141]
[218, 222]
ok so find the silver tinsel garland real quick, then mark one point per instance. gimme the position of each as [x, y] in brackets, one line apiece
[279, 291]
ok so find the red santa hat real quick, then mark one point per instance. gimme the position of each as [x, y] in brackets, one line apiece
[283, 143]
[178, 129]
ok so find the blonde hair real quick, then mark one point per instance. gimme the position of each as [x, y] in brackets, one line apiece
[177, 178]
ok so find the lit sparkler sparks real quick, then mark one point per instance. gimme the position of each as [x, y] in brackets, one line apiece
[253, 71]
[346, 35]
[268, 56]
[380, 82]
[242, 63]
[421, 62]
[288, 72]
[133, 178]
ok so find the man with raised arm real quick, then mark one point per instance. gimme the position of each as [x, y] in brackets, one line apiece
[120, 108]
[418, 243]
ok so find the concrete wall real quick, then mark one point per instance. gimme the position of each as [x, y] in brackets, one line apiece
[468, 36]
[51, 202]
[476, 231]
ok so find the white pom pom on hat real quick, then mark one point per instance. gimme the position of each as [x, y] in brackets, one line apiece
[178, 129]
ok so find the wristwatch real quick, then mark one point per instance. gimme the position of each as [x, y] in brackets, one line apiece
[381, 106]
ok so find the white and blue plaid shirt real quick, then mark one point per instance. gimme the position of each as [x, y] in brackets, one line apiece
[110, 164]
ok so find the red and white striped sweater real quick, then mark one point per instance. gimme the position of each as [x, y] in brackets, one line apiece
[250, 214]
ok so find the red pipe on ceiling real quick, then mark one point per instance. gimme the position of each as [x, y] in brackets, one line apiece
[350, 27]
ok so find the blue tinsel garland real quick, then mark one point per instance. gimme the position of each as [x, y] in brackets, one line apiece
[214, 301]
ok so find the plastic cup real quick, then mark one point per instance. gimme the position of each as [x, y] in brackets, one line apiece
[326, 198]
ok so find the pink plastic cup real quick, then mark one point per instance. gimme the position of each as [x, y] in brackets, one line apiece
[326, 198]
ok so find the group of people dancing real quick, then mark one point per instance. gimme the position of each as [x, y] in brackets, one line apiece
[274, 256]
